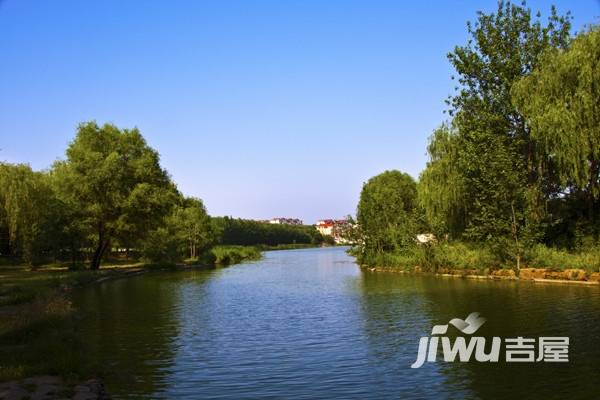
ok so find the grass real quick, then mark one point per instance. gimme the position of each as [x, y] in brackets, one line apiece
[227, 255]
[288, 246]
[432, 258]
[465, 256]
[21, 284]
[541, 256]
[38, 329]
[38, 322]
[36, 325]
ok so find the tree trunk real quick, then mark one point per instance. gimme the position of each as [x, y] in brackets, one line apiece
[97, 256]
[99, 253]
[593, 192]
[516, 237]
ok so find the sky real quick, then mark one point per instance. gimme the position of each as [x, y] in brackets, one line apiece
[262, 109]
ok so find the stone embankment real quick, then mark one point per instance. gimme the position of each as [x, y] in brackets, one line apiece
[540, 275]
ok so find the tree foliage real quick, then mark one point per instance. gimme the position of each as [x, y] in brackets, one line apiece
[386, 211]
[235, 231]
[30, 213]
[441, 188]
[115, 182]
[502, 174]
[184, 233]
[519, 160]
[194, 226]
[561, 102]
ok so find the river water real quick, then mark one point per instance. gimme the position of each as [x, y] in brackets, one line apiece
[308, 324]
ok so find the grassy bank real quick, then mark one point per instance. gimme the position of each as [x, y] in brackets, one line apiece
[290, 246]
[463, 257]
[227, 255]
[39, 325]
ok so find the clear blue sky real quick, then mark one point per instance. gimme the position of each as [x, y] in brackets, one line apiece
[261, 108]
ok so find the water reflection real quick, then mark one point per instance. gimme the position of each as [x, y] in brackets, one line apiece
[130, 327]
[512, 309]
[309, 324]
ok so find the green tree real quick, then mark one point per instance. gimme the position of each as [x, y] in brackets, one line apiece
[30, 213]
[236, 231]
[561, 101]
[385, 212]
[441, 188]
[163, 244]
[503, 176]
[193, 226]
[115, 182]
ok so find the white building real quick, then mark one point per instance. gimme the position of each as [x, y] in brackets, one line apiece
[333, 227]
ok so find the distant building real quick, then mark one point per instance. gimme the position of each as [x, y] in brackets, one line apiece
[288, 221]
[335, 228]
[325, 227]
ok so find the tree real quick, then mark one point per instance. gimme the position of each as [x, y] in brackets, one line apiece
[193, 225]
[561, 102]
[115, 182]
[385, 211]
[163, 244]
[503, 177]
[441, 188]
[235, 231]
[30, 213]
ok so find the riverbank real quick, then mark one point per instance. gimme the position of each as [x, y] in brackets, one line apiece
[298, 246]
[534, 275]
[21, 283]
[289, 246]
[39, 323]
[475, 261]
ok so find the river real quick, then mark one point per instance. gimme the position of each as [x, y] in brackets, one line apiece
[307, 324]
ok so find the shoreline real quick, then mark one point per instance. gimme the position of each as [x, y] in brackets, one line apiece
[33, 302]
[531, 275]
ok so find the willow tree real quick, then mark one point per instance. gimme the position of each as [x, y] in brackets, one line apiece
[561, 101]
[385, 211]
[115, 182]
[29, 213]
[441, 187]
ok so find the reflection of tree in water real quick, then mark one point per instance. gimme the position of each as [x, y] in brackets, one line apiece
[129, 327]
[521, 309]
[512, 309]
[396, 313]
